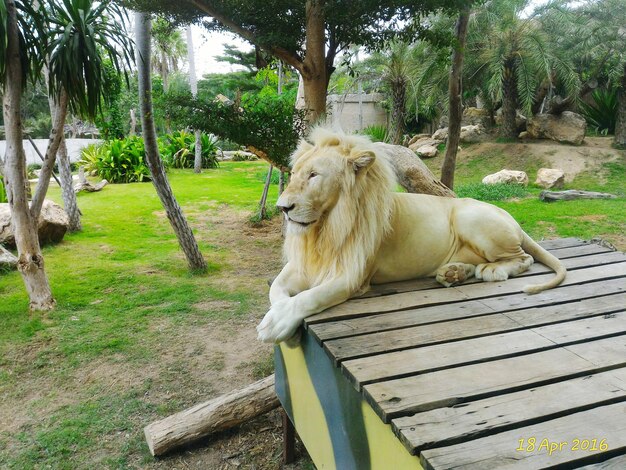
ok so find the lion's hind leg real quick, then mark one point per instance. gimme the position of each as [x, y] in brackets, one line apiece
[452, 274]
[501, 270]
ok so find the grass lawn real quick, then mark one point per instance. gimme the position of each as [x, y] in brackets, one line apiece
[135, 337]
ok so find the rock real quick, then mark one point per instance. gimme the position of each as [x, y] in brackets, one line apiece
[521, 123]
[7, 260]
[523, 135]
[568, 127]
[422, 142]
[549, 178]
[52, 225]
[476, 116]
[472, 134]
[508, 177]
[427, 151]
[440, 135]
[469, 134]
[417, 137]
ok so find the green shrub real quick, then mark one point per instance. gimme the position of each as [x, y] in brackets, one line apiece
[179, 148]
[491, 192]
[602, 114]
[244, 157]
[3, 192]
[117, 161]
[378, 133]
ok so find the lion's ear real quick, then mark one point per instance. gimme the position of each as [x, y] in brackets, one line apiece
[361, 160]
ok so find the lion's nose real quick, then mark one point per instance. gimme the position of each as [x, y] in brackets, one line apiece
[284, 208]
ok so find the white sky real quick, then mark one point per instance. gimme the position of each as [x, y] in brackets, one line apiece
[207, 45]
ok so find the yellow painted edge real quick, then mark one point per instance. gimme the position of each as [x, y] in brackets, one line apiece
[308, 415]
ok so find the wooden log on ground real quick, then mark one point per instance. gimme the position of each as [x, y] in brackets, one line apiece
[411, 172]
[84, 185]
[215, 415]
[570, 194]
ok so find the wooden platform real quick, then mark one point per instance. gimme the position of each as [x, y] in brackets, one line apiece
[485, 376]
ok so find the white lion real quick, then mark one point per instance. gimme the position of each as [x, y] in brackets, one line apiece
[346, 228]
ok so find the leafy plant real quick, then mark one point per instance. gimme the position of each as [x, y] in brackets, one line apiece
[602, 114]
[179, 148]
[3, 192]
[378, 133]
[117, 161]
[491, 192]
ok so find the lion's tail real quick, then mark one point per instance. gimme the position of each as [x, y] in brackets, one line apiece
[543, 256]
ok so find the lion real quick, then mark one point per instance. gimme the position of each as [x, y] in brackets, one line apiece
[347, 229]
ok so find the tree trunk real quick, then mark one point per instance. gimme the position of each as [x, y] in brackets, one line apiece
[67, 189]
[212, 416]
[509, 103]
[398, 114]
[56, 134]
[133, 122]
[314, 64]
[412, 174]
[455, 112]
[266, 188]
[193, 84]
[30, 262]
[620, 125]
[159, 179]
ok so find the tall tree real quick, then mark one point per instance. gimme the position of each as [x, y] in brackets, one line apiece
[155, 164]
[455, 111]
[307, 34]
[15, 65]
[81, 34]
[168, 49]
[193, 84]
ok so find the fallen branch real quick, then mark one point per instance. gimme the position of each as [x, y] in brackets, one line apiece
[550, 196]
[215, 415]
[84, 185]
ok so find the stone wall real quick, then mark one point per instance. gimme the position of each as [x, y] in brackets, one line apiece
[344, 110]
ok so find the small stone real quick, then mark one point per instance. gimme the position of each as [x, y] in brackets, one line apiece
[549, 178]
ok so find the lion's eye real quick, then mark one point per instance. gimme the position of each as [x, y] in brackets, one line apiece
[312, 175]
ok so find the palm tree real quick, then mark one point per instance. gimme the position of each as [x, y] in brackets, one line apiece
[159, 179]
[20, 32]
[193, 84]
[169, 48]
[82, 33]
[512, 55]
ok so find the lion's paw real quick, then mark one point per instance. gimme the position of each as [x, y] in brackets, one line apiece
[280, 322]
[491, 272]
[452, 274]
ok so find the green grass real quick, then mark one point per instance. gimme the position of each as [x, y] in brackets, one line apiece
[113, 282]
[491, 192]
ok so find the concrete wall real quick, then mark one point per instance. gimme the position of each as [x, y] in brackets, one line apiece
[74, 147]
[346, 111]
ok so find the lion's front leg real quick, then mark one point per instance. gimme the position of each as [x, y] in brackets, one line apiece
[452, 274]
[286, 314]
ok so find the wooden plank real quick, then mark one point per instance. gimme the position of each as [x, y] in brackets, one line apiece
[428, 358]
[401, 397]
[553, 243]
[394, 339]
[408, 300]
[501, 450]
[445, 426]
[583, 250]
[607, 257]
[616, 463]
[439, 313]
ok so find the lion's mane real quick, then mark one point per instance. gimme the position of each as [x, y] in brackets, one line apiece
[346, 240]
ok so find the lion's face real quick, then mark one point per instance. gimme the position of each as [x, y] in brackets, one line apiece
[318, 180]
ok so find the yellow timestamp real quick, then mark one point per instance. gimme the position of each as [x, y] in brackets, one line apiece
[532, 444]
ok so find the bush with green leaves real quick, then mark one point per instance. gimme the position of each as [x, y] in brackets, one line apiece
[3, 192]
[601, 115]
[179, 148]
[117, 161]
[378, 133]
[491, 192]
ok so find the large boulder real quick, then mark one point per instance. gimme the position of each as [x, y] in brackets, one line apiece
[508, 177]
[469, 134]
[568, 127]
[440, 135]
[51, 227]
[471, 117]
[422, 142]
[426, 151]
[7, 260]
[549, 178]
[521, 123]
[417, 137]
